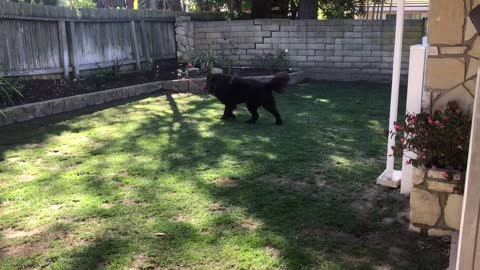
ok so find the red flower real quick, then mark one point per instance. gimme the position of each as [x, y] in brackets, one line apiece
[445, 175]
[455, 190]
[439, 138]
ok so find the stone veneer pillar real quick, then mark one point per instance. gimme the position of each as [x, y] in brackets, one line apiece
[435, 209]
[184, 37]
[453, 54]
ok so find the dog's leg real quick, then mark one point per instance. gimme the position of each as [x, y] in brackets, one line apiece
[253, 110]
[228, 112]
[270, 107]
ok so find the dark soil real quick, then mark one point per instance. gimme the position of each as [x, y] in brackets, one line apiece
[37, 90]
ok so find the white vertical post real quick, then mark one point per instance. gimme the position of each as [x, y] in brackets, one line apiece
[388, 178]
[416, 81]
[397, 65]
[468, 256]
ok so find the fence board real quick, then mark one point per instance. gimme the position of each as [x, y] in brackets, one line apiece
[163, 37]
[135, 46]
[42, 39]
[29, 45]
[145, 50]
[64, 55]
[73, 49]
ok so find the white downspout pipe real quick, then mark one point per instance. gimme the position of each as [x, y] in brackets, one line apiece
[389, 177]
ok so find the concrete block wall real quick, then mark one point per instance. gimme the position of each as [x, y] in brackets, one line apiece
[346, 50]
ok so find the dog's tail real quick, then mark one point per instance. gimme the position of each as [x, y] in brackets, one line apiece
[279, 83]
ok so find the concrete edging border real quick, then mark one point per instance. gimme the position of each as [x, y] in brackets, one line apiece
[31, 111]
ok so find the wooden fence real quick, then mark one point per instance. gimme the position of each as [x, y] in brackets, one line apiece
[39, 40]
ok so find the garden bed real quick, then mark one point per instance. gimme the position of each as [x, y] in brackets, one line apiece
[38, 90]
[44, 108]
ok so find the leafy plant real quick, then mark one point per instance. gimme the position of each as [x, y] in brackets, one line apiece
[102, 74]
[272, 62]
[237, 15]
[341, 9]
[229, 53]
[147, 66]
[184, 71]
[78, 3]
[439, 139]
[205, 60]
[9, 90]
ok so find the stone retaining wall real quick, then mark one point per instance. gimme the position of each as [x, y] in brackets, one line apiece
[60, 105]
[346, 50]
[55, 106]
[434, 207]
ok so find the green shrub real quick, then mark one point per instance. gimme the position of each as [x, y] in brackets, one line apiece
[229, 53]
[205, 60]
[272, 62]
[439, 139]
[102, 74]
[9, 89]
[147, 66]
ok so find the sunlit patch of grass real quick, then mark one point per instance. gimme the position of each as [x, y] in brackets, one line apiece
[136, 185]
[322, 100]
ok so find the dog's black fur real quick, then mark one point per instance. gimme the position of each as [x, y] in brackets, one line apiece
[232, 91]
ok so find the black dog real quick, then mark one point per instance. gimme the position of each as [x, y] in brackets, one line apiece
[233, 90]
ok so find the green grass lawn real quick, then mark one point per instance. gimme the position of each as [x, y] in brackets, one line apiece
[162, 183]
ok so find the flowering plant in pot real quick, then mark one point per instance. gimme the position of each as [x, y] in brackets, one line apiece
[439, 140]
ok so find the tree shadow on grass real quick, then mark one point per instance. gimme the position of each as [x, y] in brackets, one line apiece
[298, 181]
[38, 130]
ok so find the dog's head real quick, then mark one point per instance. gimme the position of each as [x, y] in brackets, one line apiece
[279, 83]
[210, 84]
[212, 78]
